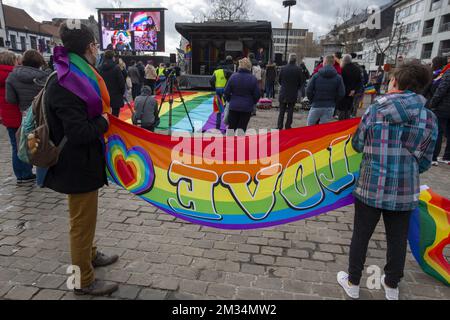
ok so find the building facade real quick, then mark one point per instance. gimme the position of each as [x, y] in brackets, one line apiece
[2, 28]
[298, 39]
[24, 33]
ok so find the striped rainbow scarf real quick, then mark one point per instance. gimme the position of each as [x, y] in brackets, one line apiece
[79, 77]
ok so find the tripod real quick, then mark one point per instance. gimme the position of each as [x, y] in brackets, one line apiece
[170, 90]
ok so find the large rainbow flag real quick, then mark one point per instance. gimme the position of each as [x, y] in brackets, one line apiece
[247, 182]
[200, 107]
[430, 234]
[257, 181]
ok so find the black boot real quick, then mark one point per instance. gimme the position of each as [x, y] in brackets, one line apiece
[97, 288]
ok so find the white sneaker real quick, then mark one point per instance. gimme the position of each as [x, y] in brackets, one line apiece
[350, 290]
[435, 164]
[391, 294]
[441, 160]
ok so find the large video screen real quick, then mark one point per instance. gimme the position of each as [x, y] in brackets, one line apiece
[132, 29]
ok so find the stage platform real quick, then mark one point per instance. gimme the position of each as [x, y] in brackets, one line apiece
[195, 82]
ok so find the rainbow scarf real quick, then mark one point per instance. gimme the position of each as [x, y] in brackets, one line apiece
[430, 233]
[79, 77]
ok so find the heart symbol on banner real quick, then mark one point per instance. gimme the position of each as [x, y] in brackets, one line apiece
[132, 169]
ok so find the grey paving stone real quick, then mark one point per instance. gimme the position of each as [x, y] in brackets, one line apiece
[221, 290]
[47, 294]
[21, 293]
[194, 286]
[152, 294]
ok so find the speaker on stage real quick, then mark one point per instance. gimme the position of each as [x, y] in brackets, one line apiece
[173, 58]
[279, 59]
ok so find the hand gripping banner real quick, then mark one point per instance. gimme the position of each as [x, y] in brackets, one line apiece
[257, 181]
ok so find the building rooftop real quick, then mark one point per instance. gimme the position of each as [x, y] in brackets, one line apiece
[19, 19]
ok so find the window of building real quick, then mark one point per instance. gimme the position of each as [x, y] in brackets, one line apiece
[435, 5]
[23, 43]
[13, 41]
[445, 23]
[444, 48]
[2, 42]
[427, 50]
[428, 27]
[33, 42]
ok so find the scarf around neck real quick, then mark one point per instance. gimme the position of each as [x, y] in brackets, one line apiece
[79, 77]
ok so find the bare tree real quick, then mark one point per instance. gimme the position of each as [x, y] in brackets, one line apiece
[229, 10]
[390, 48]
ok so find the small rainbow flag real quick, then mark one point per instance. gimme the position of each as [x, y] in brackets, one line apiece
[430, 234]
[219, 104]
[370, 90]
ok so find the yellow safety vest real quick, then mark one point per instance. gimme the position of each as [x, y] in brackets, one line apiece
[161, 72]
[221, 80]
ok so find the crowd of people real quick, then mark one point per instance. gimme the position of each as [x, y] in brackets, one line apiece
[400, 135]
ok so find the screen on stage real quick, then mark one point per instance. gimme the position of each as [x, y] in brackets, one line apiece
[132, 29]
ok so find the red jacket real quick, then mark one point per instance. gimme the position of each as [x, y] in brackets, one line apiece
[9, 113]
[337, 66]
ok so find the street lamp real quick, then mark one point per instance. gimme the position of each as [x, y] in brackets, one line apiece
[289, 4]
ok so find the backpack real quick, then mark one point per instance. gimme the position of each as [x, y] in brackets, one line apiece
[34, 144]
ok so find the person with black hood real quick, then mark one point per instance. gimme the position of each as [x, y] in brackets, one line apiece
[146, 110]
[23, 84]
[351, 74]
[325, 89]
[113, 76]
[291, 80]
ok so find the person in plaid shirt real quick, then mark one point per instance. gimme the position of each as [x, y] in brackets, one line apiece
[397, 137]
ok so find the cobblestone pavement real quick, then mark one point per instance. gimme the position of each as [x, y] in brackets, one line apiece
[165, 258]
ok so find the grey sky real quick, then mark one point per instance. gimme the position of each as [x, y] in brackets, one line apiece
[316, 15]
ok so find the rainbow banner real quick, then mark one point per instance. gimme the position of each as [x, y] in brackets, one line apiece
[200, 107]
[257, 181]
[430, 234]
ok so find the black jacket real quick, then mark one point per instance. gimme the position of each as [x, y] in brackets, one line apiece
[440, 102]
[23, 84]
[81, 166]
[115, 82]
[351, 74]
[325, 88]
[291, 81]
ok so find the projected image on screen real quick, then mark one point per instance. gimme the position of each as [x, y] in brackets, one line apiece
[119, 40]
[146, 40]
[116, 20]
[145, 21]
[132, 29]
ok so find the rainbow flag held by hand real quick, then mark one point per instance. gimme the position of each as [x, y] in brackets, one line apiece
[231, 182]
[430, 234]
[370, 90]
[219, 104]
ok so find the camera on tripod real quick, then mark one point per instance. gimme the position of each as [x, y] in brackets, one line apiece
[173, 72]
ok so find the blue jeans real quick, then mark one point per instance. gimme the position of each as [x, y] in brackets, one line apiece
[21, 169]
[270, 88]
[320, 115]
[41, 173]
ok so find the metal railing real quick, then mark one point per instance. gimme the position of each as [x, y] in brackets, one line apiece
[427, 31]
[426, 54]
[445, 27]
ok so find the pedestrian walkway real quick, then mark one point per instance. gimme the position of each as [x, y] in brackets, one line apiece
[165, 258]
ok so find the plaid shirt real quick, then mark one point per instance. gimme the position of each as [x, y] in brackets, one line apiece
[397, 136]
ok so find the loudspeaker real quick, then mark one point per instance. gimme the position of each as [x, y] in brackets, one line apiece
[173, 58]
[279, 59]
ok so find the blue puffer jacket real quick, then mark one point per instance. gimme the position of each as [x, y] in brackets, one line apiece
[242, 91]
[326, 88]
